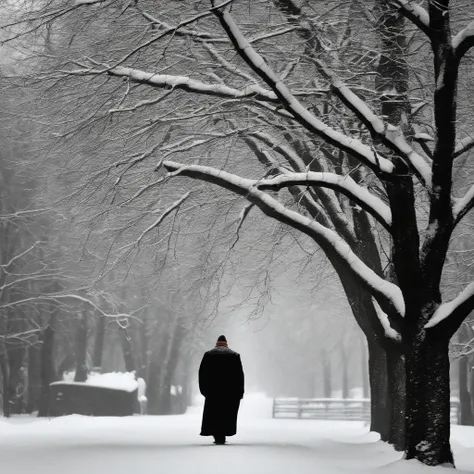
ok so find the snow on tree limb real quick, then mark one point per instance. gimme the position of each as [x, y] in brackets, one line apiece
[463, 146]
[387, 294]
[328, 200]
[385, 322]
[188, 84]
[390, 135]
[463, 41]
[171, 82]
[415, 13]
[302, 115]
[463, 205]
[447, 310]
[317, 202]
[343, 184]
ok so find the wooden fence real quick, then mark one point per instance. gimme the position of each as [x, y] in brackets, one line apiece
[351, 409]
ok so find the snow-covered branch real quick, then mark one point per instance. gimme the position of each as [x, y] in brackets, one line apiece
[390, 135]
[386, 293]
[463, 146]
[166, 81]
[329, 202]
[415, 13]
[385, 323]
[343, 184]
[463, 205]
[319, 202]
[460, 306]
[464, 41]
[302, 115]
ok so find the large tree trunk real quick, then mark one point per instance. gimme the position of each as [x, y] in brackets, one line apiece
[428, 399]
[397, 391]
[379, 391]
[81, 347]
[47, 364]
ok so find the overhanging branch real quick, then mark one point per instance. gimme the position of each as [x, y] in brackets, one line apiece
[464, 146]
[390, 136]
[167, 81]
[343, 184]
[450, 315]
[463, 41]
[415, 13]
[387, 294]
[344, 142]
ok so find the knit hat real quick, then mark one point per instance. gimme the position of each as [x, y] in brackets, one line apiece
[221, 341]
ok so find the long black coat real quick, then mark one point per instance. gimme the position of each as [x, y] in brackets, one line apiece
[221, 381]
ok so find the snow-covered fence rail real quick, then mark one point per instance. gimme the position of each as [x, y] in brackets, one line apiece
[357, 409]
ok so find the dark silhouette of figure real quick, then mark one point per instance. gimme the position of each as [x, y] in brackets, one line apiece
[221, 382]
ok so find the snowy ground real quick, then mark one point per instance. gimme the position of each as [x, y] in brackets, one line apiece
[172, 445]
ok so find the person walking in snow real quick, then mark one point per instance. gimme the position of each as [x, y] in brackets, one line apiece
[221, 382]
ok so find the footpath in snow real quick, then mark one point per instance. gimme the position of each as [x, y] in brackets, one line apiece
[172, 445]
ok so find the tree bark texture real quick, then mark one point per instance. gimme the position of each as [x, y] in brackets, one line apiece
[380, 409]
[397, 393]
[428, 399]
